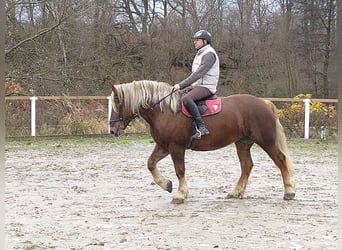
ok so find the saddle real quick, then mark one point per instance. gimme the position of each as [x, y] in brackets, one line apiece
[209, 106]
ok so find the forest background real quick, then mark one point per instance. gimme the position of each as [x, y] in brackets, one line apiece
[269, 48]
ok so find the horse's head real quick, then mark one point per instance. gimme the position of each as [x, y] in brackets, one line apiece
[120, 117]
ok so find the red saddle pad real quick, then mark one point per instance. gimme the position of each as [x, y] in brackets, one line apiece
[214, 106]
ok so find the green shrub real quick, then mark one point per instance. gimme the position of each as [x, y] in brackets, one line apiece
[323, 118]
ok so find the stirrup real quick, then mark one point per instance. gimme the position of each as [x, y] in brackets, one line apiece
[199, 134]
[204, 131]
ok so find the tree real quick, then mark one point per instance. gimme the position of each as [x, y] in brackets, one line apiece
[279, 48]
[318, 29]
[328, 21]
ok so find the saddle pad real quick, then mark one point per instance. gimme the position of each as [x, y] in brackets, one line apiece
[213, 106]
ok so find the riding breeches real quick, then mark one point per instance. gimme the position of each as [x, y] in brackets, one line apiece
[194, 94]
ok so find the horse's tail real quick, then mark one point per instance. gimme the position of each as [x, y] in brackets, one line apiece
[281, 141]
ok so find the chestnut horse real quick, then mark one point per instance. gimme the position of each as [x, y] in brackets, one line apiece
[244, 120]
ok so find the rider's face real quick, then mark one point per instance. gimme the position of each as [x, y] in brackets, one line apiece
[199, 43]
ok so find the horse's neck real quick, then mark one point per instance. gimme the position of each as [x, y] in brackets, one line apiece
[151, 115]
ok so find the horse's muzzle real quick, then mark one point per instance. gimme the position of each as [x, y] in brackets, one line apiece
[117, 131]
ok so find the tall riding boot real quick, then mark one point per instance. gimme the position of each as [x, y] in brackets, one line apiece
[200, 126]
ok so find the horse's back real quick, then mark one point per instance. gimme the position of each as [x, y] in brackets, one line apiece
[256, 116]
[246, 104]
[244, 98]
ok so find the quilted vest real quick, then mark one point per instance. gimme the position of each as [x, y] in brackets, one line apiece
[210, 79]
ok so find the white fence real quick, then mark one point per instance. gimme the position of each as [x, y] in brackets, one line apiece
[35, 99]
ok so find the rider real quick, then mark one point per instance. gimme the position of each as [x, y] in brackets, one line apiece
[203, 80]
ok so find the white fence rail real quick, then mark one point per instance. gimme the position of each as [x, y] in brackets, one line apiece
[34, 100]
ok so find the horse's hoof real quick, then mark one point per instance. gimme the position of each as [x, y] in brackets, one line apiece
[289, 196]
[233, 196]
[230, 196]
[179, 197]
[177, 201]
[169, 186]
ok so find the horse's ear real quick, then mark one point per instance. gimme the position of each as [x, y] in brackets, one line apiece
[116, 82]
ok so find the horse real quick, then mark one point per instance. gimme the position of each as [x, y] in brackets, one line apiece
[244, 120]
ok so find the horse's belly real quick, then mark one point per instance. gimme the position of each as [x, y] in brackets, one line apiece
[208, 143]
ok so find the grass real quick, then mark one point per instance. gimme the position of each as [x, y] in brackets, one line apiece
[59, 141]
[314, 145]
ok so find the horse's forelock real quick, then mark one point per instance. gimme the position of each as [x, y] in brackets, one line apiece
[114, 91]
[118, 90]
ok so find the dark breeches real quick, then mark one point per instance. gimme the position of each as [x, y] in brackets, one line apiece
[194, 94]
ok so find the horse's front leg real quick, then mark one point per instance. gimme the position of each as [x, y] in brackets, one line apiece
[177, 155]
[158, 154]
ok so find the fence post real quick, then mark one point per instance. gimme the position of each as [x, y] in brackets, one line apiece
[33, 115]
[109, 111]
[307, 118]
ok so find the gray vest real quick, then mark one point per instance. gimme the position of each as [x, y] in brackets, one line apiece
[210, 79]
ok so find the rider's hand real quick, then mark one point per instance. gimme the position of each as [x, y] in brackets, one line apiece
[176, 87]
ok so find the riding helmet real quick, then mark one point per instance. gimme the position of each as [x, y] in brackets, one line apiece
[203, 34]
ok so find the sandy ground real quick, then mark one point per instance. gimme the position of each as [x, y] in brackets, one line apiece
[98, 194]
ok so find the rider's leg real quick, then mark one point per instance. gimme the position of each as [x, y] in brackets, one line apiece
[193, 110]
[196, 93]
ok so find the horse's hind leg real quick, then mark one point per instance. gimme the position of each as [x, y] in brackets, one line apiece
[283, 162]
[158, 154]
[243, 150]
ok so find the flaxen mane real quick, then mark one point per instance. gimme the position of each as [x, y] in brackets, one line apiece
[142, 93]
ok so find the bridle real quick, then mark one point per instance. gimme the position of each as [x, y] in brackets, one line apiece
[124, 123]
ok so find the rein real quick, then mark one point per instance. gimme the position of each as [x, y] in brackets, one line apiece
[173, 91]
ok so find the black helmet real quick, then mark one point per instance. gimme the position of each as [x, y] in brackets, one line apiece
[203, 34]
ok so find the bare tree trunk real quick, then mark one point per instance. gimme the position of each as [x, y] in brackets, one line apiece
[53, 12]
[289, 67]
[219, 34]
[144, 17]
[129, 12]
[327, 47]
[30, 9]
[142, 12]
